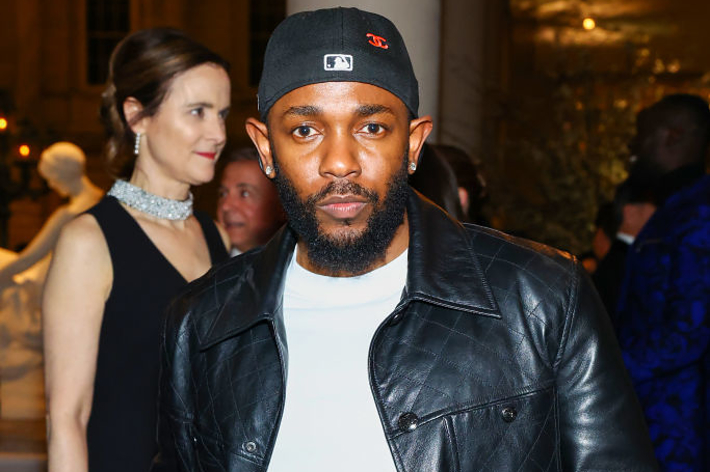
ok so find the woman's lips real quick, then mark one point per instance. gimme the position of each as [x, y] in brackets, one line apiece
[208, 155]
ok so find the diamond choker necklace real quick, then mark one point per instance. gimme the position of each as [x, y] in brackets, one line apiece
[154, 205]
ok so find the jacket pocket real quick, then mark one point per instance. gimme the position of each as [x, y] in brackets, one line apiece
[209, 454]
[213, 455]
[175, 444]
[517, 433]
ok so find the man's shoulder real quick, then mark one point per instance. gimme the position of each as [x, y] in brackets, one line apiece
[496, 248]
[684, 215]
[532, 283]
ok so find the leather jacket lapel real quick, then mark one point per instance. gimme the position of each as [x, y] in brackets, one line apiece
[443, 267]
[257, 294]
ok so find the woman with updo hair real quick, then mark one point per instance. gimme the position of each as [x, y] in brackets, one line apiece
[117, 266]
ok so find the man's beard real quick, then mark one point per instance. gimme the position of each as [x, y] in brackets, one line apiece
[346, 252]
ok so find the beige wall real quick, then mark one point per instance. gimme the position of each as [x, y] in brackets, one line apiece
[474, 67]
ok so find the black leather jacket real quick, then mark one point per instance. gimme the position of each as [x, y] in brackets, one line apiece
[498, 357]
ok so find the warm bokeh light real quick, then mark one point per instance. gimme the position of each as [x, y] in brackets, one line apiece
[24, 150]
[3, 124]
[674, 66]
[589, 24]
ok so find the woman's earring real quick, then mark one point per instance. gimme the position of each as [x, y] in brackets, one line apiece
[412, 166]
[268, 170]
[137, 145]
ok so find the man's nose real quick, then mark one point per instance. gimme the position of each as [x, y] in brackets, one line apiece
[340, 158]
[228, 202]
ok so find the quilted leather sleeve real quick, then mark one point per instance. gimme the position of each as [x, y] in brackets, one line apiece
[601, 423]
[174, 431]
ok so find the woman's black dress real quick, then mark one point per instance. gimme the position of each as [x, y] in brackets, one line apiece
[121, 430]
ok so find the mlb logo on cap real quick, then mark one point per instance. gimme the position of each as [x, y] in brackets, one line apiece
[338, 62]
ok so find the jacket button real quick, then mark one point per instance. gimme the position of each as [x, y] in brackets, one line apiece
[408, 422]
[250, 446]
[396, 318]
[509, 413]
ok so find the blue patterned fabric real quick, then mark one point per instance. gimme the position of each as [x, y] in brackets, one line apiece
[664, 327]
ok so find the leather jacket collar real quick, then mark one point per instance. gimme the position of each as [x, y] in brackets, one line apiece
[442, 269]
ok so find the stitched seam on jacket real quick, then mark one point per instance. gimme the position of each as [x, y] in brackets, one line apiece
[542, 428]
[432, 367]
[449, 429]
[380, 406]
[534, 247]
[476, 406]
[570, 314]
[223, 446]
[558, 439]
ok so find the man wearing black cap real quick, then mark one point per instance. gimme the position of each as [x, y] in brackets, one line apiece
[373, 332]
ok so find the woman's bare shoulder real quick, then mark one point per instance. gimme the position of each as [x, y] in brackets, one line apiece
[82, 242]
[83, 230]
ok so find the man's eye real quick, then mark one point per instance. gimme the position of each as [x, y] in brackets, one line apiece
[244, 193]
[373, 128]
[304, 131]
[200, 112]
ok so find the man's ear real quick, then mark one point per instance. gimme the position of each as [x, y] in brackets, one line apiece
[132, 109]
[464, 199]
[259, 134]
[419, 130]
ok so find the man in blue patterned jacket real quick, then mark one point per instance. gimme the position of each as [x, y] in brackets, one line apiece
[665, 302]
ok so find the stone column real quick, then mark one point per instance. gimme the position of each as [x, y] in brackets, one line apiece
[474, 63]
[418, 22]
[461, 74]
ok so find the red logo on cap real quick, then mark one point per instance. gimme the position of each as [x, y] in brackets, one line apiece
[378, 41]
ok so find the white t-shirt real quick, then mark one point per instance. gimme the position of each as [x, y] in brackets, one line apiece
[330, 420]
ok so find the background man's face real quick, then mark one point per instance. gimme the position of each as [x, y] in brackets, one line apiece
[647, 149]
[248, 206]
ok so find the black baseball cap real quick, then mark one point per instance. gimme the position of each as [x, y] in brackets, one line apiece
[336, 45]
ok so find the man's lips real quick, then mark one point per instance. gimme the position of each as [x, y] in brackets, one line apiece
[342, 206]
[233, 225]
[208, 155]
[228, 223]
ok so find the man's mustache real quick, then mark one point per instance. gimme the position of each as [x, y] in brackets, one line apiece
[342, 187]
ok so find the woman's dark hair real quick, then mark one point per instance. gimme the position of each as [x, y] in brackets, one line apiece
[143, 66]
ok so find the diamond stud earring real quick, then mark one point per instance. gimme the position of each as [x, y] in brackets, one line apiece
[268, 170]
[412, 166]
